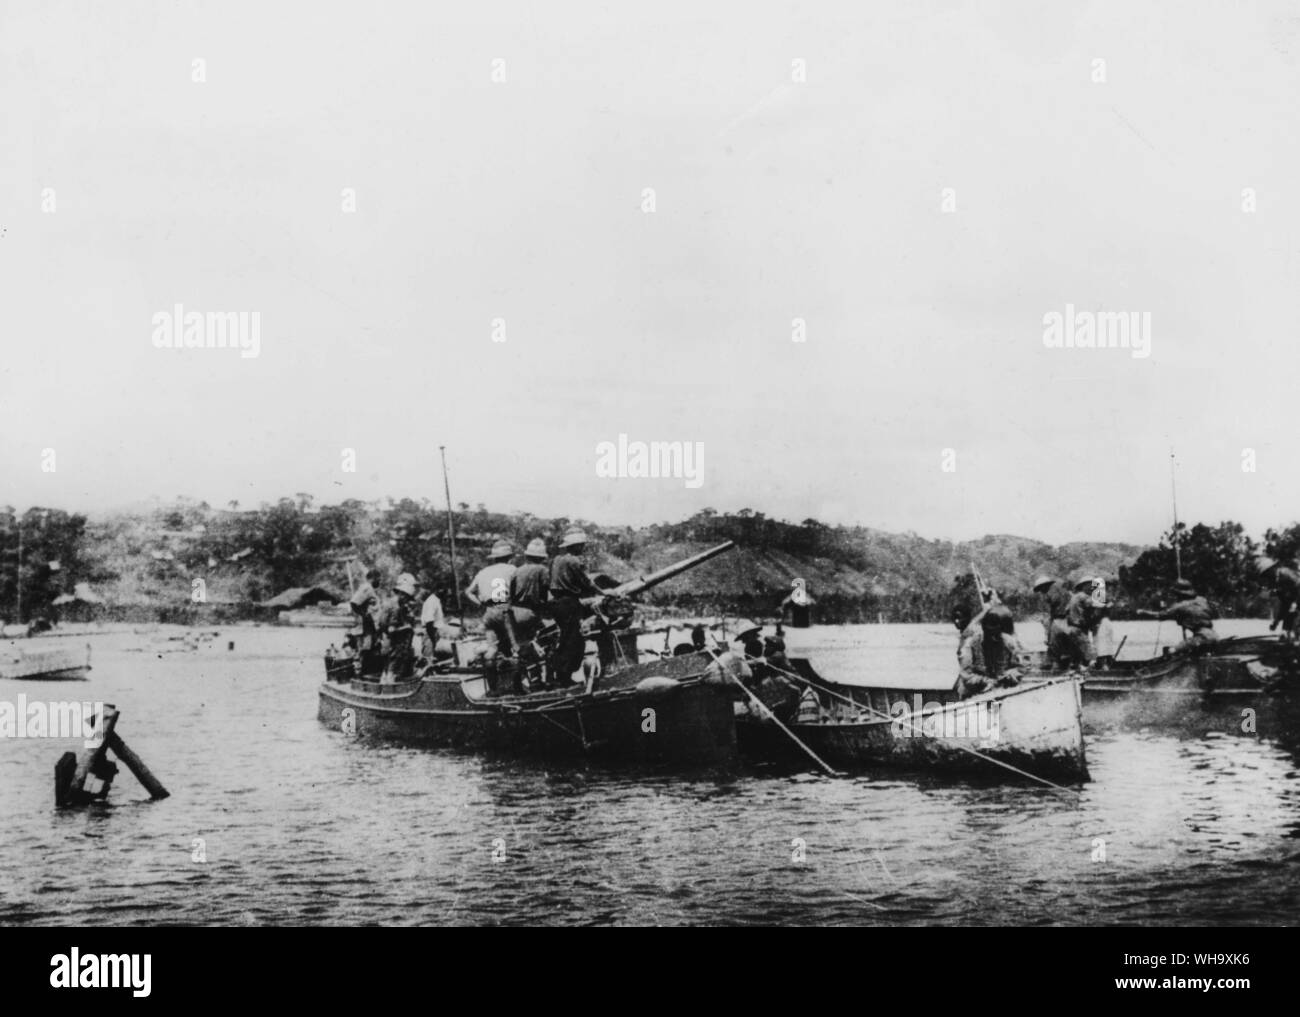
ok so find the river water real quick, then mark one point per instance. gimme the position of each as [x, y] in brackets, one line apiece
[273, 819]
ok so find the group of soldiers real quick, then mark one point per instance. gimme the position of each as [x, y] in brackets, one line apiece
[516, 602]
[1079, 630]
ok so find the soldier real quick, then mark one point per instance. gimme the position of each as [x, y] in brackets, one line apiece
[365, 605]
[529, 587]
[750, 637]
[490, 589]
[1074, 633]
[569, 585]
[698, 639]
[988, 652]
[774, 689]
[433, 626]
[396, 625]
[1193, 615]
[1286, 594]
[1057, 595]
[1102, 633]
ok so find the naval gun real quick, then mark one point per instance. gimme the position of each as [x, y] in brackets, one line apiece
[612, 611]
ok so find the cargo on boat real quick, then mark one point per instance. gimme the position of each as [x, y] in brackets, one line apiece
[44, 663]
[1033, 729]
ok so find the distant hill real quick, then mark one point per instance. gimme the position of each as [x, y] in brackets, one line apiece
[178, 560]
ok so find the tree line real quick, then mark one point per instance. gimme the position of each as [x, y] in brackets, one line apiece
[252, 554]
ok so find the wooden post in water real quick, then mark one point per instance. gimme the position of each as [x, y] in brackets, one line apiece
[136, 765]
[71, 772]
[71, 789]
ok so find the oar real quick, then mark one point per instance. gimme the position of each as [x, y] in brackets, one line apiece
[1119, 648]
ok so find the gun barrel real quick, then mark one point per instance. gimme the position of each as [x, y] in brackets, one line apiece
[635, 586]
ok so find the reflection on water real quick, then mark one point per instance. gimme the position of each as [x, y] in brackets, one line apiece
[297, 824]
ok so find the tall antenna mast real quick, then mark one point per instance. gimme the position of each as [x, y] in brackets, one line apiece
[1173, 488]
[451, 534]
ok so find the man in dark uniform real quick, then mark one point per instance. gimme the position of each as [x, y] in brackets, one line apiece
[396, 624]
[1286, 592]
[569, 585]
[1080, 621]
[988, 652]
[1193, 615]
[529, 588]
[774, 689]
[1057, 595]
[365, 605]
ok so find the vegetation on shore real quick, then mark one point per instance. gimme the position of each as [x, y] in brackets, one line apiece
[188, 560]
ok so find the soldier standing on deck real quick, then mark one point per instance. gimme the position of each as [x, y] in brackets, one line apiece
[1286, 592]
[396, 623]
[1074, 634]
[433, 626]
[569, 584]
[529, 588]
[490, 589]
[1057, 594]
[365, 605]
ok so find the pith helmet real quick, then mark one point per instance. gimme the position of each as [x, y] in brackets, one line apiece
[536, 548]
[1184, 588]
[1042, 581]
[573, 538]
[1085, 584]
[744, 627]
[405, 584]
[501, 549]
[1264, 563]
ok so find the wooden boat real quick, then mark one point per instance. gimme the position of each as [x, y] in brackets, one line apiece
[1233, 667]
[44, 663]
[666, 712]
[661, 711]
[1031, 729]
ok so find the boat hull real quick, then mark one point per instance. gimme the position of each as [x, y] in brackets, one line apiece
[52, 663]
[687, 722]
[1032, 729]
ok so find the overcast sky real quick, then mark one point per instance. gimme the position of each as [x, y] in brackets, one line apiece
[774, 199]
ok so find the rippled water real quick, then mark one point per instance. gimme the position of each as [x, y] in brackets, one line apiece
[300, 825]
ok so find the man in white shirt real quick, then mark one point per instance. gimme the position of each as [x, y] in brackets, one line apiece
[433, 626]
[490, 589]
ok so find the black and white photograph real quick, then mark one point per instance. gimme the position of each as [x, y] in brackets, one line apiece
[686, 464]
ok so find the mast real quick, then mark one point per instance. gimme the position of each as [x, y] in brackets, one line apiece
[451, 534]
[1173, 489]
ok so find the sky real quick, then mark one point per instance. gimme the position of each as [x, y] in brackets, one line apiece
[519, 231]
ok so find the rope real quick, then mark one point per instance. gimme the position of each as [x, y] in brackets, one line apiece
[892, 719]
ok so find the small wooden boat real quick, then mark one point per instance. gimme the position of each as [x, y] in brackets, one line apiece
[1033, 729]
[1233, 667]
[44, 663]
